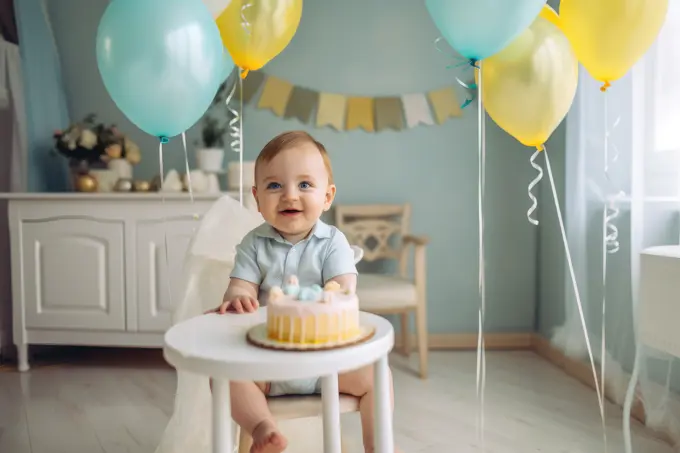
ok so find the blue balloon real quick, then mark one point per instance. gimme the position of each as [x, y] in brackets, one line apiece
[478, 29]
[162, 62]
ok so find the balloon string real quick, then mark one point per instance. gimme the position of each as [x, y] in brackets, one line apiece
[460, 62]
[481, 345]
[235, 130]
[190, 187]
[577, 294]
[164, 140]
[240, 154]
[603, 346]
[532, 184]
[610, 234]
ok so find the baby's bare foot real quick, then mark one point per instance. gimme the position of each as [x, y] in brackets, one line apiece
[268, 439]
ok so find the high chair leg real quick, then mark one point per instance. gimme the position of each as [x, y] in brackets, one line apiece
[244, 441]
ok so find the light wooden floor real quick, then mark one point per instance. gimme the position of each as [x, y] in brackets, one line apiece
[121, 403]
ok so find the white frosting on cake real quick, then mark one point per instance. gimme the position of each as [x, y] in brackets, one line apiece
[323, 316]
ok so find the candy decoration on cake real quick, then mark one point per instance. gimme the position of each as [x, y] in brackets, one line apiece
[312, 315]
[292, 286]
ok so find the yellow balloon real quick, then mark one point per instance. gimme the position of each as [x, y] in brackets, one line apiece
[549, 14]
[256, 31]
[610, 36]
[528, 87]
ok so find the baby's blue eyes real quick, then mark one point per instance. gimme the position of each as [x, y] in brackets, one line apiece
[275, 185]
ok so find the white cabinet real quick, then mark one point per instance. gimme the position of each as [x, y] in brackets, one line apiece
[157, 277]
[92, 269]
[73, 274]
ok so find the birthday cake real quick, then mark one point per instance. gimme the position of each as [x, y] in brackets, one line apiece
[312, 315]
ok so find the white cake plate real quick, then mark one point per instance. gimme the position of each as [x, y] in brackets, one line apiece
[257, 336]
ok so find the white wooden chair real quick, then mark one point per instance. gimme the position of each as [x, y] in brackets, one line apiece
[382, 231]
[297, 407]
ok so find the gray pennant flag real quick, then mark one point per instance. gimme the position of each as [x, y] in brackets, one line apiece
[301, 104]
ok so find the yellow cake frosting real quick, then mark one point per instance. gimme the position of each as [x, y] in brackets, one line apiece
[312, 315]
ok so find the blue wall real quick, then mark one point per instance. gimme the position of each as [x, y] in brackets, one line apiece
[357, 47]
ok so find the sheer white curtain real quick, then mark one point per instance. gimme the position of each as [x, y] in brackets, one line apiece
[638, 119]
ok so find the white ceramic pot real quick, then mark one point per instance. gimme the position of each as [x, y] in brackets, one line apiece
[121, 167]
[210, 160]
[106, 179]
[233, 175]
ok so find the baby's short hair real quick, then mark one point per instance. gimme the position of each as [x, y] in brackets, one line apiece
[288, 140]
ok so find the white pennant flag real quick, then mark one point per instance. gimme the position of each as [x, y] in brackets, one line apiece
[416, 110]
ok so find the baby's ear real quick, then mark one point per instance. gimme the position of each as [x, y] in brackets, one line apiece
[330, 196]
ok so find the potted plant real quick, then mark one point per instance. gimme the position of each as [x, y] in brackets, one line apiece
[210, 155]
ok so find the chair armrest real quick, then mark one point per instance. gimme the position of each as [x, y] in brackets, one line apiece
[416, 240]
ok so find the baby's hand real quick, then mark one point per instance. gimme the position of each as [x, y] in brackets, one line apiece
[240, 304]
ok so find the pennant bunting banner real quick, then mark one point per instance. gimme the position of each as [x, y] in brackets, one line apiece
[416, 110]
[389, 114]
[444, 104]
[346, 112]
[331, 111]
[275, 95]
[360, 114]
[301, 104]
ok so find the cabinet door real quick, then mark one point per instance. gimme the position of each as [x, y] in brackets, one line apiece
[156, 301]
[73, 274]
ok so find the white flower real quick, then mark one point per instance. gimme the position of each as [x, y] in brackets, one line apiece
[88, 139]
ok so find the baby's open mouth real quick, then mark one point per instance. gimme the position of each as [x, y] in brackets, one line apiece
[290, 211]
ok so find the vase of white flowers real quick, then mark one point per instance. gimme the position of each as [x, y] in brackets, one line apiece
[91, 146]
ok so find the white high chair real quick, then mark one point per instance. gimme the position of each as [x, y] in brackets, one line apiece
[209, 258]
[297, 407]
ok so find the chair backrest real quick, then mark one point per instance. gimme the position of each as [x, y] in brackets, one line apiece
[377, 229]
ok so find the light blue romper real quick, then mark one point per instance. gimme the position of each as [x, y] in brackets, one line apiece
[266, 259]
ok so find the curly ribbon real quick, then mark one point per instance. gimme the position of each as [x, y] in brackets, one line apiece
[236, 130]
[611, 232]
[599, 388]
[247, 28]
[481, 345]
[461, 62]
[532, 184]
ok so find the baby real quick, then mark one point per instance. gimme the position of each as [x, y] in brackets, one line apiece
[293, 187]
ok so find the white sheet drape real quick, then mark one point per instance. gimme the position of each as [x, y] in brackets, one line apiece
[641, 114]
[12, 98]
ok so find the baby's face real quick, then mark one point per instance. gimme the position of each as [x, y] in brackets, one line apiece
[292, 191]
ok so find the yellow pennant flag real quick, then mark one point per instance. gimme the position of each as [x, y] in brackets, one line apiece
[444, 104]
[360, 113]
[275, 95]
